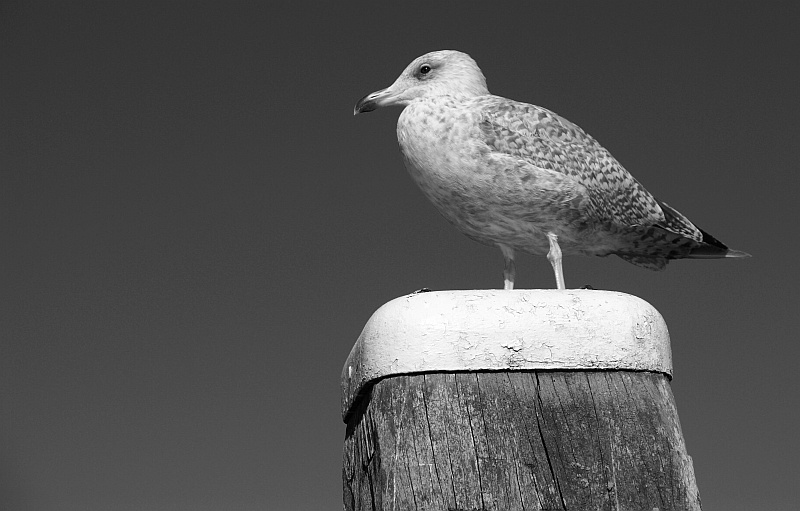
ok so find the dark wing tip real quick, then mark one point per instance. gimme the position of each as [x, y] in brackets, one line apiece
[714, 248]
[711, 240]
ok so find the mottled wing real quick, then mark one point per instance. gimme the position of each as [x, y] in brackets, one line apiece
[546, 140]
[674, 221]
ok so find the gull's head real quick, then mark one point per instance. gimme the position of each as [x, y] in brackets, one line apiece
[439, 73]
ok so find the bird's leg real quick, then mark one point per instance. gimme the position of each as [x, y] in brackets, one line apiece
[509, 270]
[554, 256]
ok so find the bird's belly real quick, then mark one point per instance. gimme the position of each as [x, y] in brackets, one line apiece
[494, 199]
[493, 210]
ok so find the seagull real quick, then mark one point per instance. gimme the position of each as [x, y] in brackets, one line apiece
[520, 177]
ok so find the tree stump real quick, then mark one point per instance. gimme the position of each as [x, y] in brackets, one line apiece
[513, 400]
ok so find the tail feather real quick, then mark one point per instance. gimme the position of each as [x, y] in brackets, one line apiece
[737, 253]
[654, 247]
[712, 248]
[675, 237]
[705, 253]
[708, 247]
[651, 263]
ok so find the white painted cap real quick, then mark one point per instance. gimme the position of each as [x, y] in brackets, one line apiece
[525, 329]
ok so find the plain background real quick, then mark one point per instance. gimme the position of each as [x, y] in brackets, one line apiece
[195, 228]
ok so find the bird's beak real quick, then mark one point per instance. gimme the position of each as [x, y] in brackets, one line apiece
[374, 100]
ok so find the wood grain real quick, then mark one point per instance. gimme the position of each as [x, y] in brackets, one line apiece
[526, 440]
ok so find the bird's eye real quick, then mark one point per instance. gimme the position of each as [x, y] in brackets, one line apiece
[424, 69]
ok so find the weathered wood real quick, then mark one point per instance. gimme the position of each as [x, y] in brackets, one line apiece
[513, 400]
[517, 440]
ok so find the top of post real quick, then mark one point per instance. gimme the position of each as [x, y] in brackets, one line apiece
[499, 330]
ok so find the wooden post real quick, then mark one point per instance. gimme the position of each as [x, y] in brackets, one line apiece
[513, 400]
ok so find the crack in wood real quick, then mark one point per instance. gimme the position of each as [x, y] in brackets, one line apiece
[474, 443]
[544, 443]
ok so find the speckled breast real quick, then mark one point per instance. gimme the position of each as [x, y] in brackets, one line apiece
[443, 158]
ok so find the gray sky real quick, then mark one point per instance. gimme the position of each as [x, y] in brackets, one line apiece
[196, 229]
